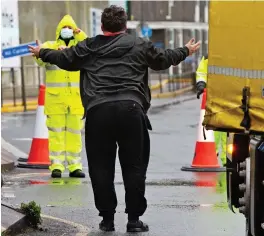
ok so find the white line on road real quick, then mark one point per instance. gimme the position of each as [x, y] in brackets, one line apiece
[83, 230]
[206, 205]
[2, 228]
[12, 149]
[22, 139]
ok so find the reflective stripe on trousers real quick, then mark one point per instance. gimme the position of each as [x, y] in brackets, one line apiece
[65, 129]
[65, 141]
[54, 154]
[56, 161]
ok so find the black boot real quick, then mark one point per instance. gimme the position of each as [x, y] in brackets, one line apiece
[56, 174]
[107, 225]
[135, 226]
[77, 174]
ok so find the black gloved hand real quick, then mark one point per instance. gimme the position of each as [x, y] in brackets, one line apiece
[200, 86]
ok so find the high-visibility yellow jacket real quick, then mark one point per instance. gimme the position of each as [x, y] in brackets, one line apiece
[220, 137]
[201, 73]
[62, 87]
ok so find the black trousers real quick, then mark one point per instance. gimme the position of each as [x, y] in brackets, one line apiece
[121, 123]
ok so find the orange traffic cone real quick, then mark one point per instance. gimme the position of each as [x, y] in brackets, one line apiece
[205, 158]
[39, 153]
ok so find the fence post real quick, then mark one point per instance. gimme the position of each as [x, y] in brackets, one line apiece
[23, 89]
[160, 80]
[174, 82]
[2, 94]
[14, 86]
[39, 81]
[194, 81]
[169, 83]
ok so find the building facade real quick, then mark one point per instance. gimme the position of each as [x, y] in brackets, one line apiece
[173, 23]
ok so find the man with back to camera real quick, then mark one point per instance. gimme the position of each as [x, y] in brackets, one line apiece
[116, 98]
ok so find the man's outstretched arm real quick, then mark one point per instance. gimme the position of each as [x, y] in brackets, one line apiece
[71, 59]
[160, 59]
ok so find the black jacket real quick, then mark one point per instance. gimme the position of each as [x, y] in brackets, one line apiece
[114, 68]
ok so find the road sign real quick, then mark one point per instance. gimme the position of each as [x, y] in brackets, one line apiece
[10, 25]
[146, 31]
[18, 51]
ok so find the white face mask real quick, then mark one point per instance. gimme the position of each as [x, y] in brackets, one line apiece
[66, 33]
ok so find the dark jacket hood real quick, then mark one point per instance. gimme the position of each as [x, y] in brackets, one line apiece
[111, 46]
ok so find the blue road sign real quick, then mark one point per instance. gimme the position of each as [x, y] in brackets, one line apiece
[18, 51]
[146, 31]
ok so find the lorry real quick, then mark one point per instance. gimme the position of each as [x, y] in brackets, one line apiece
[235, 102]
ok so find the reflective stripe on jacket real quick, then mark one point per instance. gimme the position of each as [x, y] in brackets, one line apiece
[62, 87]
[201, 73]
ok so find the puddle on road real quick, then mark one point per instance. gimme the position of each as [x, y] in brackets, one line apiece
[64, 190]
[199, 179]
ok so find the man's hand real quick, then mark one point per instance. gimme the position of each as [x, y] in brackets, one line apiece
[35, 50]
[192, 46]
[200, 86]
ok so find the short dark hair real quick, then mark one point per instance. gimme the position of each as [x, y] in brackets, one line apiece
[114, 19]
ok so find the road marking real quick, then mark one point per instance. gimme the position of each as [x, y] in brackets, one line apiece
[83, 230]
[206, 205]
[12, 149]
[2, 229]
[22, 139]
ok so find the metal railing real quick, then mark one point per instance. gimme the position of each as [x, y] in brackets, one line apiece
[20, 86]
[165, 83]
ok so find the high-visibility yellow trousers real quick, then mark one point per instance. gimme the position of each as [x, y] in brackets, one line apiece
[65, 141]
[220, 142]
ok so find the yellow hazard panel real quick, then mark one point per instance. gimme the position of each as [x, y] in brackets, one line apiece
[235, 63]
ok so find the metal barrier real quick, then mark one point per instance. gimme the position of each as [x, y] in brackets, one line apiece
[164, 83]
[20, 86]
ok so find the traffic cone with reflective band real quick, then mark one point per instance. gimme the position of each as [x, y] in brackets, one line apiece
[205, 158]
[39, 153]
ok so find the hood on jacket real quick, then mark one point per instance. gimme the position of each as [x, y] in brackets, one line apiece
[111, 47]
[67, 20]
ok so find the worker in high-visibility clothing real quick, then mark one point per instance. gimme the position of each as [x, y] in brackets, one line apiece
[201, 80]
[63, 105]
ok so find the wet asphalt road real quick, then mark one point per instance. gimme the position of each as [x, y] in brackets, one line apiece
[179, 203]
